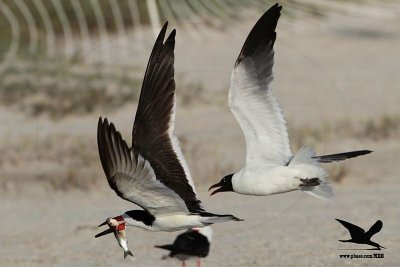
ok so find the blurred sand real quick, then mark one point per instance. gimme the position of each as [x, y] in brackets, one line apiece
[344, 68]
[288, 230]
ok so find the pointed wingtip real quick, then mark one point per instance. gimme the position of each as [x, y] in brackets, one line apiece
[236, 219]
[164, 27]
[263, 34]
[340, 221]
[173, 33]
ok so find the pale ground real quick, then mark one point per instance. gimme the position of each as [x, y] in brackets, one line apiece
[344, 69]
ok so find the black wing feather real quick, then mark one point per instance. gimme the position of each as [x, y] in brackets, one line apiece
[341, 156]
[114, 155]
[262, 35]
[154, 119]
[354, 230]
[374, 229]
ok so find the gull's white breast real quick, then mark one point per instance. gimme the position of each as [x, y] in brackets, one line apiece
[262, 180]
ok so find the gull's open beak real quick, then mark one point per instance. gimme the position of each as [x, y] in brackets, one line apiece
[220, 189]
[105, 232]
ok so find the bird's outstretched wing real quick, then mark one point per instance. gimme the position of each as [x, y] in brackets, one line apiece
[153, 130]
[251, 99]
[354, 230]
[374, 228]
[131, 176]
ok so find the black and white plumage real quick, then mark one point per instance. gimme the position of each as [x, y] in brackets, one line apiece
[271, 167]
[194, 242]
[153, 173]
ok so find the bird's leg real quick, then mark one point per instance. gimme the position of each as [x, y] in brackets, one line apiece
[198, 262]
[183, 264]
[309, 181]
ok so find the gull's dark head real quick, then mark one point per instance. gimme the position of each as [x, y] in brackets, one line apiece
[225, 185]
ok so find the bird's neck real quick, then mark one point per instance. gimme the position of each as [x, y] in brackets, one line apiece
[139, 218]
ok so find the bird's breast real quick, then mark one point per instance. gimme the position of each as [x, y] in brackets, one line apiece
[265, 180]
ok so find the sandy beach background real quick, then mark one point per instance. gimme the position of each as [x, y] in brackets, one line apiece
[336, 77]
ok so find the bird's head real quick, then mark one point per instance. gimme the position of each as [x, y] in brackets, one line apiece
[225, 185]
[115, 224]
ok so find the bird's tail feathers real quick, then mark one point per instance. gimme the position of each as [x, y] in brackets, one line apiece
[305, 161]
[305, 155]
[322, 191]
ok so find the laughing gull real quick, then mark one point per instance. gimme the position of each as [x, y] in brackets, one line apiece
[359, 236]
[153, 173]
[194, 242]
[270, 166]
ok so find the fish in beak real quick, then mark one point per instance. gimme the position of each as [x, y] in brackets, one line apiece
[117, 226]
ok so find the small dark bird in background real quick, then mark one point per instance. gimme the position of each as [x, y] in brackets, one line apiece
[359, 236]
[195, 242]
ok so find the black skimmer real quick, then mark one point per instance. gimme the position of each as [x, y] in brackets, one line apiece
[359, 236]
[194, 242]
[153, 173]
[270, 166]
[117, 226]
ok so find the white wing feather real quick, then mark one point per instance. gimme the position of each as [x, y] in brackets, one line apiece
[258, 112]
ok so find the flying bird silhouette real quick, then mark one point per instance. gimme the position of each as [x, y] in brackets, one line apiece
[359, 236]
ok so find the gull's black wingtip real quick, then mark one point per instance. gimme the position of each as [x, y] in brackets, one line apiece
[263, 34]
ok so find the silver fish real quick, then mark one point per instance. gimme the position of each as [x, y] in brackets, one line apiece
[118, 228]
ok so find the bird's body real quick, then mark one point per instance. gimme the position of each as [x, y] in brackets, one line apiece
[194, 242]
[269, 178]
[174, 221]
[152, 173]
[266, 180]
[270, 168]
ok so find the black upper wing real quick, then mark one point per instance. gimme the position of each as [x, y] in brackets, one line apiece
[262, 37]
[354, 230]
[152, 134]
[374, 228]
